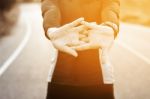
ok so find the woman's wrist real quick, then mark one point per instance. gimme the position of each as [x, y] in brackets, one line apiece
[112, 25]
[50, 32]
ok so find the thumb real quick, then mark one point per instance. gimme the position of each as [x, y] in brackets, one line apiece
[86, 47]
[65, 49]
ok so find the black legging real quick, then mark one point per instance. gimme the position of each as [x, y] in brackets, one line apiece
[57, 91]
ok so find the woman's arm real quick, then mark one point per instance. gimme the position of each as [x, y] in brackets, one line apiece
[51, 14]
[110, 13]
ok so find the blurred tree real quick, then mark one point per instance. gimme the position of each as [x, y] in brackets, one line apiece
[8, 15]
[135, 11]
[6, 4]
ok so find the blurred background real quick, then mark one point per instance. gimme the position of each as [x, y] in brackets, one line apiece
[25, 53]
[135, 11]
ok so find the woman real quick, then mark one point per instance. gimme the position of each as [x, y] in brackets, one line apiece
[80, 77]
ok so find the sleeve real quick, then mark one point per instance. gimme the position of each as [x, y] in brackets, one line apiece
[51, 14]
[110, 13]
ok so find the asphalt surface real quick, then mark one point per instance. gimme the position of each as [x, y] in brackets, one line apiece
[26, 76]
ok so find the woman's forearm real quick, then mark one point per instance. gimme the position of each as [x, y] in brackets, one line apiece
[51, 14]
[110, 12]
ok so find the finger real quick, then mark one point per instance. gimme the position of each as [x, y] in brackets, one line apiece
[80, 28]
[85, 32]
[73, 24]
[76, 22]
[51, 32]
[85, 40]
[82, 36]
[73, 39]
[89, 25]
[86, 47]
[82, 47]
[73, 43]
[76, 44]
[93, 23]
[81, 43]
[66, 49]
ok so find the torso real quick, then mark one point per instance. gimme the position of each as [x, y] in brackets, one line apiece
[73, 9]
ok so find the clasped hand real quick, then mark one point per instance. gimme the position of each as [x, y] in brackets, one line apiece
[80, 35]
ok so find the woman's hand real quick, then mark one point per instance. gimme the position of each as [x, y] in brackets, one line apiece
[99, 36]
[65, 37]
[80, 35]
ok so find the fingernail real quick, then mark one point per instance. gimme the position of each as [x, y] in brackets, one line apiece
[75, 55]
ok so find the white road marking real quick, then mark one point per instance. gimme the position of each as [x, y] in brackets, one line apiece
[136, 53]
[7, 63]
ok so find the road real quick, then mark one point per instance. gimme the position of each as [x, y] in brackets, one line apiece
[25, 76]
